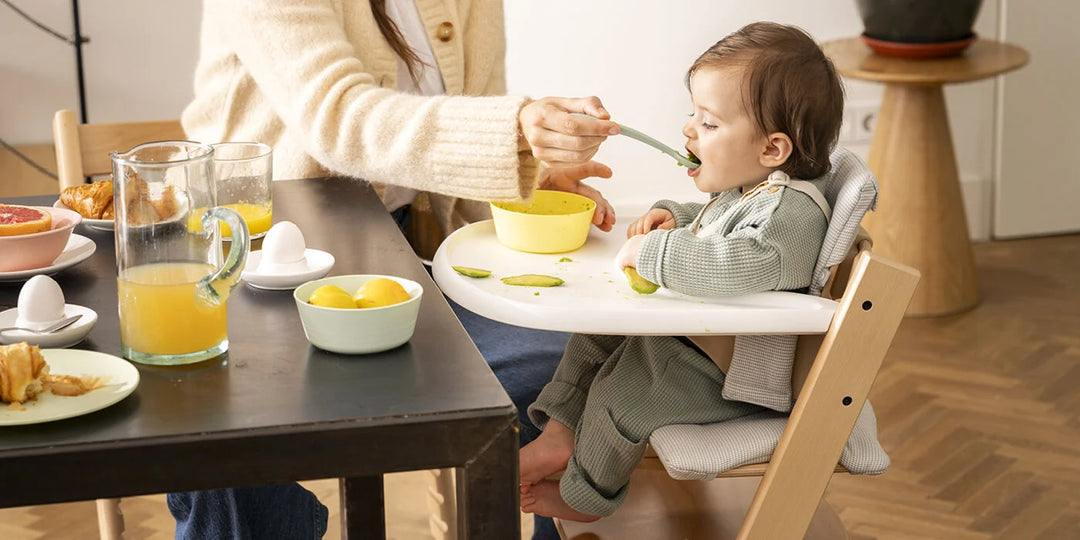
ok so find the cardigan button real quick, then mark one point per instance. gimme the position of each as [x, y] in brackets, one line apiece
[445, 32]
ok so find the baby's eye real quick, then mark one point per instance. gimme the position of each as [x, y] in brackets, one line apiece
[707, 125]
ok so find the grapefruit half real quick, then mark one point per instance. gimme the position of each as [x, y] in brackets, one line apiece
[18, 220]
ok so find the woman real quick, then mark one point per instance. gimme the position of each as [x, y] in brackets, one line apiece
[407, 95]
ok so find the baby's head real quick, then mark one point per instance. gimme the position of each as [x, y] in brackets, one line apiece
[765, 98]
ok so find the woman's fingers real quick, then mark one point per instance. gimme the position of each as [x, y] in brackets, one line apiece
[569, 179]
[555, 136]
[604, 216]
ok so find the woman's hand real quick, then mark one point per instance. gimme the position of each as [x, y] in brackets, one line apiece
[657, 218]
[627, 255]
[569, 179]
[559, 139]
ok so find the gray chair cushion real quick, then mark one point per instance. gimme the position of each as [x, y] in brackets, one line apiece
[692, 452]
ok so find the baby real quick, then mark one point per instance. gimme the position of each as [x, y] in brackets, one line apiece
[767, 110]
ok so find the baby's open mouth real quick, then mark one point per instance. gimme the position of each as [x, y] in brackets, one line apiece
[693, 171]
[690, 156]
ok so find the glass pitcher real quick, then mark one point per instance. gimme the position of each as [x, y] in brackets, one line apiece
[172, 281]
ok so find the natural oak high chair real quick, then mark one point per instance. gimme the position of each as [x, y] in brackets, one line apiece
[795, 453]
[82, 150]
[832, 377]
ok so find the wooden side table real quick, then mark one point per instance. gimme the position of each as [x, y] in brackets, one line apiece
[920, 218]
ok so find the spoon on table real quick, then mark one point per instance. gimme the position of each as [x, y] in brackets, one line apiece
[691, 162]
[58, 325]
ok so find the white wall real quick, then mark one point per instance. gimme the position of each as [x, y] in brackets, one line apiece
[634, 56]
[138, 64]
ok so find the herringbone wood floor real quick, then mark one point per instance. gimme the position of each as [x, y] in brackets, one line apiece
[980, 413]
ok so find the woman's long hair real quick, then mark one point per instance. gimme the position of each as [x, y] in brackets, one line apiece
[397, 41]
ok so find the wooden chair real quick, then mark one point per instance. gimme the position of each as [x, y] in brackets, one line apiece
[832, 377]
[82, 151]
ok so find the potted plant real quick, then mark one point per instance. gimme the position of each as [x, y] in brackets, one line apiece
[918, 27]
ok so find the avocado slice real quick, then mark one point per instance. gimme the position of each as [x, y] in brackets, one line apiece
[469, 271]
[638, 283]
[533, 280]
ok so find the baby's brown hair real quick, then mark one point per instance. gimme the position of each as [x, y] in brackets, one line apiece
[789, 86]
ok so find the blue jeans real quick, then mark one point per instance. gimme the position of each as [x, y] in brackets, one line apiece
[522, 359]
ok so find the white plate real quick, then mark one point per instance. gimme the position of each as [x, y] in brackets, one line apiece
[101, 224]
[123, 378]
[65, 337]
[78, 249]
[318, 265]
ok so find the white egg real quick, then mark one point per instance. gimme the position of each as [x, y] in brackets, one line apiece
[282, 249]
[40, 302]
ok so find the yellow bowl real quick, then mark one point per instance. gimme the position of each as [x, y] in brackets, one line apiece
[552, 222]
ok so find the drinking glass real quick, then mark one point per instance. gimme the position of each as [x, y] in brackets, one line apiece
[244, 175]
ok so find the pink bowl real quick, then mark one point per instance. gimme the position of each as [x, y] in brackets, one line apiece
[38, 250]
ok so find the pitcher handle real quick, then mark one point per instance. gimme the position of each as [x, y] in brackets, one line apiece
[214, 289]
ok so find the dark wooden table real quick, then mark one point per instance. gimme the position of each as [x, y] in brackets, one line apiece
[277, 409]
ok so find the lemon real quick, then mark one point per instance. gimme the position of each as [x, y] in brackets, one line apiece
[380, 292]
[331, 296]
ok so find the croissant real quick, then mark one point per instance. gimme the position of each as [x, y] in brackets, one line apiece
[21, 369]
[90, 200]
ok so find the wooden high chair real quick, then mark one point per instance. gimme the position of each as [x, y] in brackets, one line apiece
[832, 377]
[674, 493]
[82, 151]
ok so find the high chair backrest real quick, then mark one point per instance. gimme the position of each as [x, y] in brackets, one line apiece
[82, 150]
[831, 397]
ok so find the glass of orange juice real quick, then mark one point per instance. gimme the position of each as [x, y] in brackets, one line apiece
[243, 174]
[172, 276]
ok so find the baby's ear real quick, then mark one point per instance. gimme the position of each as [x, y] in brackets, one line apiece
[776, 151]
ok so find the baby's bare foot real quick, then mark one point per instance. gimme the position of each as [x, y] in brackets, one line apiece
[547, 455]
[544, 499]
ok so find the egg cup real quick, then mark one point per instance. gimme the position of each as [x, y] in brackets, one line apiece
[65, 337]
[315, 264]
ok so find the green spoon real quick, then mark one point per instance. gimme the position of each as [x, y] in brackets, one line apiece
[691, 162]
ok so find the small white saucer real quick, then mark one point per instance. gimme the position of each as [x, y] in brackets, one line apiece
[318, 265]
[65, 337]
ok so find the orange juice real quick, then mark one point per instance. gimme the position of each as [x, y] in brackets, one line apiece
[257, 218]
[160, 313]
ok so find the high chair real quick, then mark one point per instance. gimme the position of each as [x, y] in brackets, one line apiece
[675, 492]
[82, 151]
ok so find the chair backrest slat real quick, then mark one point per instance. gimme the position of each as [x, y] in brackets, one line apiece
[82, 150]
[832, 397]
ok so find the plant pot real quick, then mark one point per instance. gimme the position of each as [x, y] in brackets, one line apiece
[918, 21]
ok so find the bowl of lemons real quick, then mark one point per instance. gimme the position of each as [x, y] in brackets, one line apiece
[358, 313]
[550, 222]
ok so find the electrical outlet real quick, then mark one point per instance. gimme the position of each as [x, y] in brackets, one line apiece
[859, 121]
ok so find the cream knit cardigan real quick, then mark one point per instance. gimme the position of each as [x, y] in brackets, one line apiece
[313, 79]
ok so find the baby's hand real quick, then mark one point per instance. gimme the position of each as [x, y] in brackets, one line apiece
[627, 255]
[657, 218]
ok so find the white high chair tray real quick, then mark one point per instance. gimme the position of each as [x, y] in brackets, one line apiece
[596, 297]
